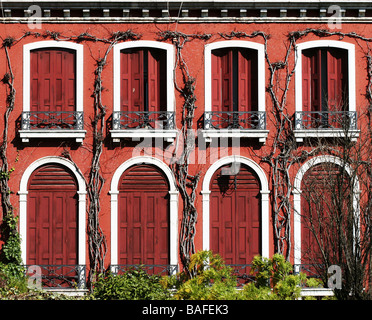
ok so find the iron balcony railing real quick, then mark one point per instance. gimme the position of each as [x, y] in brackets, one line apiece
[59, 276]
[252, 120]
[52, 120]
[123, 120]
[328, 120]
[157, 269]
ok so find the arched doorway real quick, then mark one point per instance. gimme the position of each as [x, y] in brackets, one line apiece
[235, 215]
[143, 216]
[52, 222]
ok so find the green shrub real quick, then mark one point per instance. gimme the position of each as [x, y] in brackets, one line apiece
[277, 275]
[135, 284]
[213, 279]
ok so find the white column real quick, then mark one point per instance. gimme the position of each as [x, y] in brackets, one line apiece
[173, 228]
[114, 227]
[23, 223]
[82, 227]
[297, 227]
[206, 220]
[265, 233]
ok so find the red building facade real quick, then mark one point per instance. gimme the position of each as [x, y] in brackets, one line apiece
[161, 128]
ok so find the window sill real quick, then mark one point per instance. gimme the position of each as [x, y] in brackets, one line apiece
[302, 134]
[210, 134]
[136, 134]
[26, 135]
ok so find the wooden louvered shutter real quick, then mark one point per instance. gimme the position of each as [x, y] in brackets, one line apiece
[143, 216]
[52, 80]
[132, 84]
[247, 81]
[216, 82]
[52, 217]
[316, 80]
[154, 71]
[306, 82]
[227, 81]
[235, 216]
[337, 79]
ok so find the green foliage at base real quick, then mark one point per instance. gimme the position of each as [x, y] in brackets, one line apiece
[135, 284]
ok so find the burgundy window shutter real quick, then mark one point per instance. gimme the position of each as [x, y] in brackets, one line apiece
[132, 98]
[336, 71]
[227, 81]
[52, 80]
[154, 102]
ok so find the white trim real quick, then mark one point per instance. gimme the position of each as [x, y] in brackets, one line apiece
[264, 199]
[147, 44]
[173, 205]
[79, 135]
[79, 49]
[81, 204]
[261, 134]
[297, 196]
[300, 134]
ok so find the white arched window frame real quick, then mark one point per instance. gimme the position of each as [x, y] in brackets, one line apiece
[260, 49]
[168, 134]
[301, 134]
[297, 197]
[79, 135]
[173, 205]
[265, 218]
[23, 192]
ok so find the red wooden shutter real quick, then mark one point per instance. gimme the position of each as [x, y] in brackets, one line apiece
[132, 97]
[245, 92]
[227, 81]
[143, 216]
[316, 83]
[52, 217]
[234, 216]
[336, 71]
[217, 83]
[306, 82]
[154, 81]
[52, 80]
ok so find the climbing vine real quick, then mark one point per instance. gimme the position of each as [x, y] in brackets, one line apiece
[10, 251]
[187, 183]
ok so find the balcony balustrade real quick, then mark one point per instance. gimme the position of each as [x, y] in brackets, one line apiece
[52, 124]
[325, 124]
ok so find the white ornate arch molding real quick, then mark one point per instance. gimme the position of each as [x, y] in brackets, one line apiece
[78, 48]
[173, 205]
[297, 196]
[264, 199]
[327, 44]
[23, 192]
[235, 44]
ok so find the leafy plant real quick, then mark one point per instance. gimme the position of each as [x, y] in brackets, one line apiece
[135, 284]
[213, 279]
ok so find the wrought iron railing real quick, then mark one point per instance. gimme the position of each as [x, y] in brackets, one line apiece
[253, 120]
[122, 120]
[157, 269]
[52, 120]
[311, 270]
[329, 120]
[242, 273]
[59, 276]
